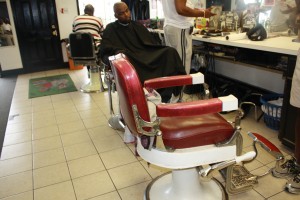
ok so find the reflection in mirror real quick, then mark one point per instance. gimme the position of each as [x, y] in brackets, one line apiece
[6, 37]
[277, 16]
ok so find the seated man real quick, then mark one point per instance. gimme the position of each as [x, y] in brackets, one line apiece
[150, 59]
[89, 23]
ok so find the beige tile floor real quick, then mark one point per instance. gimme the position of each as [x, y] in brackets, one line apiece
[60, 148]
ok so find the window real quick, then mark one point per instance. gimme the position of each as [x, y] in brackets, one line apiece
[103, 9]
[156, 9]
[250, 1]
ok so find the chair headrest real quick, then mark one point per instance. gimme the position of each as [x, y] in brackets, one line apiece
[82, 46]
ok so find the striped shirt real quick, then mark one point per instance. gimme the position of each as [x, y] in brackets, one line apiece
[90, 24]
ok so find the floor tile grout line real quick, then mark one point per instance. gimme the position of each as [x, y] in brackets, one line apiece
[131, 151]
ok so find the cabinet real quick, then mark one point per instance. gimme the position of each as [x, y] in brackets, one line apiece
[288, 115]
[269, 49]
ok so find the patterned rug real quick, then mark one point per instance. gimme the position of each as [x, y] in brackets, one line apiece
[51, 85]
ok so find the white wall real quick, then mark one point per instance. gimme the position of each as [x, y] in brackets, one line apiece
[65, 19]
[10, 57]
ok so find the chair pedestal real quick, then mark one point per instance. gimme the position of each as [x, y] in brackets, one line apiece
[95, 84]
[184, 184]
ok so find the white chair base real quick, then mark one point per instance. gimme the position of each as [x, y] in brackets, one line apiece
[187, 158]
[184, 185]
[95, 84]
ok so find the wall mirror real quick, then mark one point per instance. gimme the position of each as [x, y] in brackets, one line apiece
[6, 35]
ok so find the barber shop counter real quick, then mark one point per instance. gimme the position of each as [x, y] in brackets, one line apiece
[259, 73]
[277, 44]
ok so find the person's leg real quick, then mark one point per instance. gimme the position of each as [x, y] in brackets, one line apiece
[297, 137]
[295, 101]
[181, 40]
[188, 52]
[292, 166]
[293, 185]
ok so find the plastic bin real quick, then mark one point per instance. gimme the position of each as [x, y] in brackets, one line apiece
[272, 110]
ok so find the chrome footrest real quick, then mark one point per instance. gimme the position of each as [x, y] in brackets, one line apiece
[238, 179]
[241, 177]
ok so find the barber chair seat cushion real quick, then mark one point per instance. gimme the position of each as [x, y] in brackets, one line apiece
[186, 132]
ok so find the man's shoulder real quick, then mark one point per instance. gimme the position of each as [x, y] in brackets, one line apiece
[110, 29]
[139, 26]
[111, 25]
[87, 17]
[137, 23]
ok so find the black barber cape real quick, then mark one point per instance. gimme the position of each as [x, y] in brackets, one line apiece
[150, 59]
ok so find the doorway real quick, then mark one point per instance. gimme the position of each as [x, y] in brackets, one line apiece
[38, 35]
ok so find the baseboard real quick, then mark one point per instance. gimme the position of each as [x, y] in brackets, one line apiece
[13, 72]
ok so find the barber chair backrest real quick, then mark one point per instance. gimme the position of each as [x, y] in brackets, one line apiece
[130, 91]
[82, 48]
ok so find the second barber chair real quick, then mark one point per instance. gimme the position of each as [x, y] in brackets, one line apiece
[83, 51]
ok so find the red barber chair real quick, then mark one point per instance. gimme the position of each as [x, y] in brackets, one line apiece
[190, 138]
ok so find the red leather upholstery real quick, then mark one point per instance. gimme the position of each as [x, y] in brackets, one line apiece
[184, 132]
[171, 81]
[189, 108]
[130, 92]
[193, 127]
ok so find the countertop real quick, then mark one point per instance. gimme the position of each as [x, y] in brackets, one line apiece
[278, 44]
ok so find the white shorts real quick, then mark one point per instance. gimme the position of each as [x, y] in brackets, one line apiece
[295, 90]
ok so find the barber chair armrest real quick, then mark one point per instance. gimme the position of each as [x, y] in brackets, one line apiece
[172, 81]
[199, 107]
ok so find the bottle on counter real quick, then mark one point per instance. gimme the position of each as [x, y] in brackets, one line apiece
[158, 22]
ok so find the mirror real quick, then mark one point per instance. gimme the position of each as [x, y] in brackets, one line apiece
[6, 36]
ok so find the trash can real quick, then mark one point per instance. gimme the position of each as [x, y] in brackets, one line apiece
[271, 106]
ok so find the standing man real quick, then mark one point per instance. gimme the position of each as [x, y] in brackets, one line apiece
[291, 167]
[293, 185]
[178, 27]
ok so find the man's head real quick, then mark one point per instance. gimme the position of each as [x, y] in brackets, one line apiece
[89, 10]
[122, 12]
